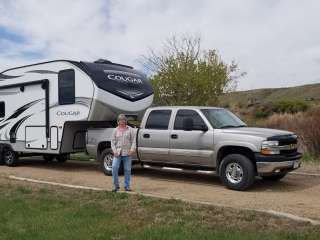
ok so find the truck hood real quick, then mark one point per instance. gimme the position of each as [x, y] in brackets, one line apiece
[258, 132]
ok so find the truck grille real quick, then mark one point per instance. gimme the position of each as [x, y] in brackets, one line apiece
[287, 142]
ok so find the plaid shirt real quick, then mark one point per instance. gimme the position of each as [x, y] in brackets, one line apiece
[123, 141]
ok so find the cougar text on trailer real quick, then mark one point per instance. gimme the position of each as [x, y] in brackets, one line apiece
[46, 108]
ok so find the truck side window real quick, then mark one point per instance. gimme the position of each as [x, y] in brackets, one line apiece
[198, 122]
[2, 109]
[158, 119]
[66, 85]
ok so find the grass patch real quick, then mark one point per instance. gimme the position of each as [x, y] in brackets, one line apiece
[34, 212]
[308, 158]
[81, 156]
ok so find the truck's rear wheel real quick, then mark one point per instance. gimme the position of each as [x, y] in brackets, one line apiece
[106, 160]
[237, 172]
[10, 157]
[274, 177]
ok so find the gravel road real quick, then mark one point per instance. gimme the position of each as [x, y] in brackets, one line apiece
[296, 194]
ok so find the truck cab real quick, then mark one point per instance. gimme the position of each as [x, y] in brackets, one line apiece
[211, 139]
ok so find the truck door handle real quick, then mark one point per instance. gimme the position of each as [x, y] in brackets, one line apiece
[146, 135]
[174, 136]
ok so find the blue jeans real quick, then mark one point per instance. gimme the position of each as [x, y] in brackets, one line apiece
[127, 171]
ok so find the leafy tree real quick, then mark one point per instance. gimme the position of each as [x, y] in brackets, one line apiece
[184, 74]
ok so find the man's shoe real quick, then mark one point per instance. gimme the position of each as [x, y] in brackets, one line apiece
[128, 189]
[115, 189]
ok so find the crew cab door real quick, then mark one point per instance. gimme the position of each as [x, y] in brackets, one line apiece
[191, 145]
[153, 144]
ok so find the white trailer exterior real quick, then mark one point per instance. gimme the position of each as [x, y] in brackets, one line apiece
[46, 108]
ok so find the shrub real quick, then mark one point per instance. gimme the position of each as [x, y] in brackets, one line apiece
[305, 124]
[290, 106]
[285, 106]
[262, 112]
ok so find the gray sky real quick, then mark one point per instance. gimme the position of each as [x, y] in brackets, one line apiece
[277, 42]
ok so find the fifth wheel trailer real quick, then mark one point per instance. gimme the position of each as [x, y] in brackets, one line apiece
[46, 108]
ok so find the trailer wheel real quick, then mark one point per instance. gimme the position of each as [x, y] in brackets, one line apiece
[62, 158]
[10, 157]
[106, 159]
[237, 172]
[1, 156]
[48, 157]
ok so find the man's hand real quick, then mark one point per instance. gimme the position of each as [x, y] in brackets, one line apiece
[116, 154]
[131, 152]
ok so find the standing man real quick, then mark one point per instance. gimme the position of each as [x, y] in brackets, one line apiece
[123, 144]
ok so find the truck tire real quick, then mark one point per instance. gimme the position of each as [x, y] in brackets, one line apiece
[62, 158]
[106, 159]
[10, 157]
[274, 177]
[48, 157]
[237, 172]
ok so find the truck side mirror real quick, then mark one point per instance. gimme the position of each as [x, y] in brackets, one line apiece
[187, 124]
[204, 128]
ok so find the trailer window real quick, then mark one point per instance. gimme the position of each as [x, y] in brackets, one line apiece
[158, 119]
[66, 85]
[2, 109]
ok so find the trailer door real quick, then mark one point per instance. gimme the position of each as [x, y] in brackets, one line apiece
[37, 124]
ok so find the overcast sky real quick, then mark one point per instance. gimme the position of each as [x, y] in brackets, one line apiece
[277, 42]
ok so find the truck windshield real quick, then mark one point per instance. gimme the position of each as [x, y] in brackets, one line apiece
[222, 118]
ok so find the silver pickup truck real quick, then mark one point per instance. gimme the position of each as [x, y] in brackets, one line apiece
[209, 139]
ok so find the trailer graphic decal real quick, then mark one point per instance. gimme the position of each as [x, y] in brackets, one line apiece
[14, 129]
[4, 77]
[20, 110]
[43, 72]
[2, 126]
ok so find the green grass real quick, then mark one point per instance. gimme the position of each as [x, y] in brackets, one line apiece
[33, 212]
[310, 159]
[81, 156]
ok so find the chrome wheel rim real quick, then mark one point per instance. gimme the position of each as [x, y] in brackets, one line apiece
[234, 173]
[8, 156]
[107, 161]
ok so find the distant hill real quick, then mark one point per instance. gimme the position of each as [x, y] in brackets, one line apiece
[310, 93]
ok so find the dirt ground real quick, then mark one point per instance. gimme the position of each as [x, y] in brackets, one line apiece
[296, 194]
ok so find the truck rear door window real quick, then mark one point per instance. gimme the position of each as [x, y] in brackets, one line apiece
[2, 110]
[66, 85]
[198, 122]
[158, 119]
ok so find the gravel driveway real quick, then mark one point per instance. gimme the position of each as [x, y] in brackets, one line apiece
[296, 194]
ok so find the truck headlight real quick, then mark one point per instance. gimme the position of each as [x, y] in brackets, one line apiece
[270, 147]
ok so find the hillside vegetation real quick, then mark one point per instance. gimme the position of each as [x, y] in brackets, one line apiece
[309, 93]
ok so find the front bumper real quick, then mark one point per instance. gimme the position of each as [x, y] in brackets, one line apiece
[269, 165]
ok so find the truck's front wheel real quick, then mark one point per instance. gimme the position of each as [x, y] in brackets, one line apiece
[237, 172]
